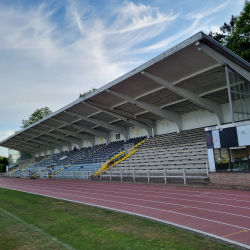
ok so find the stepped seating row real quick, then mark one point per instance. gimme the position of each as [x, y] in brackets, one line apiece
[176, 139]
[174, 151]
[110, 150]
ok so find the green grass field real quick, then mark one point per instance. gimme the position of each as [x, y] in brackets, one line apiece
[34, 222]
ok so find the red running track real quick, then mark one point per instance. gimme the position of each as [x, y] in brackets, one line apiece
[224, 214]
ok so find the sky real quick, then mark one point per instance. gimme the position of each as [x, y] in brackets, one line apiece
[51, 51]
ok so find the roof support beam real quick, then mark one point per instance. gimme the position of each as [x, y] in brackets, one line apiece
[62, 137]
[19, 148]
[65, 131]
[83, 128]
[39, 141]
[123, 113]
[166, 114]
[206, 104]
[33, 144]
[197, 73]
[112, 127]
[126, 119]
[27, 148]
[56, 142]
[224, 60]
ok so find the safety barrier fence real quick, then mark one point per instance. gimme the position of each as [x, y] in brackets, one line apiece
[163, 174]
[73, 175]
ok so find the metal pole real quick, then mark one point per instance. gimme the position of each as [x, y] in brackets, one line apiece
[184, 176]
[207, 169]
[134, 175]
[110, 175]
[165, 176]
[67, 175]
[100, 175]
[73, 175]
[121, 175]
[148, 175]
[229, 94]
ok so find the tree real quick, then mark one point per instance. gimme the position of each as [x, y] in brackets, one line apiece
[86, 93]
[226, 30]
[36, 116]
[239, 40]
[236, 35]
[3, 163]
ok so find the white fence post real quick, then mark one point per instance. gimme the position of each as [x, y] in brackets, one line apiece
[165, 176]
[184, 176]
[207, 169]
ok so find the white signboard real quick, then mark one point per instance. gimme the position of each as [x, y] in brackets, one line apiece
[216, 138]
[243, 133]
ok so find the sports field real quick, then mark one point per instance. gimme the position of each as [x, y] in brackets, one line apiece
[29, 221]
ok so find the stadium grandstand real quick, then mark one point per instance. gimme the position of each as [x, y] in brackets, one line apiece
[182, 116]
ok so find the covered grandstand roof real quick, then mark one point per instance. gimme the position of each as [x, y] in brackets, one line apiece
[188, 77]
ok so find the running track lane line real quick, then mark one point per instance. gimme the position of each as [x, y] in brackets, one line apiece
[155, 196]
[123, 203]
[147, 217]
[151, 201]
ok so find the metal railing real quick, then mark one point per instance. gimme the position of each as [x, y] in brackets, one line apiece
[151, 174]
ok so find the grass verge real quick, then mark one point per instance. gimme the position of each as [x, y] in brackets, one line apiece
[36, 222]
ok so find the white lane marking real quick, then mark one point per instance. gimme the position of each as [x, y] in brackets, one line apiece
[129, 204]
[165, 197]
[147, 217]
[147, 187]
[144, 200]
[168, 193]
[37, 229]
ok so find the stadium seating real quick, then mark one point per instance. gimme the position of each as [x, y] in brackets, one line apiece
[173, 151]
[86, 159]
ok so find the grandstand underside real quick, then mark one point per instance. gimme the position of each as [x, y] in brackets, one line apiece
[179, 116]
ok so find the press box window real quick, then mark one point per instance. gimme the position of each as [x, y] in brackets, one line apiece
[117, 136]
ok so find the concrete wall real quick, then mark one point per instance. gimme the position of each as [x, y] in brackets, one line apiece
[98, 140]
[132, 132]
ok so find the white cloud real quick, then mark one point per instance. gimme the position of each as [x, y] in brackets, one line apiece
[46, 61]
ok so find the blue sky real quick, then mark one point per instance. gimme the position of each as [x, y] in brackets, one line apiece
[50, 51]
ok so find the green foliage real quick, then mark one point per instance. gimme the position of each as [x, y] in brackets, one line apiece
[3, 163]
[239, 40]
[226, 30]
[236, 35]
[2, 168]
[4, 160]
[86, 93]
[36, 116]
